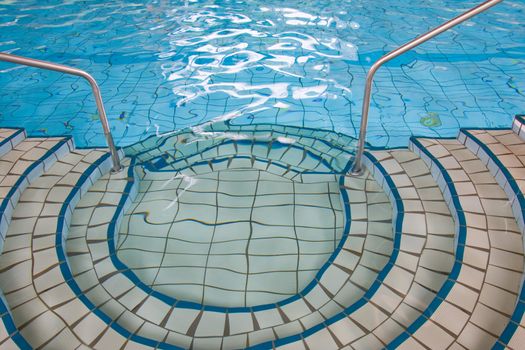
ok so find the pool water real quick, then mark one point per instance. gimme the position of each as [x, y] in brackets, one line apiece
[168, 65]
[242, 220]
[235, 237]
[235, 223]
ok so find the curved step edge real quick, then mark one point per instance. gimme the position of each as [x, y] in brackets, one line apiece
[517, 199]
[448, 189]
[60, 246]
[381, 176]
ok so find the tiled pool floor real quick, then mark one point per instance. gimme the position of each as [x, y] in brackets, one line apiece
[124, 296]
[238, 237]
[170, 64]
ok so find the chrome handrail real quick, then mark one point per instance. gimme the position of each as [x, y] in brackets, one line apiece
[25, 61]
[357, 167]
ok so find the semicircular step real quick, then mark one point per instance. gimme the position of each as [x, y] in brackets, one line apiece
[431, 253]
[422, 259]
[160, 318]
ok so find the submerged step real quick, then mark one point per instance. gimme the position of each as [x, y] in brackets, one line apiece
[38, 296]
[503, 152]
[422, 258]
[347, 274]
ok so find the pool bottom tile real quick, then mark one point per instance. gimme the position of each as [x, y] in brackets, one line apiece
[234, 238]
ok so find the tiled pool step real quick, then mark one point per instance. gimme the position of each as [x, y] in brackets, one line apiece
[443, 269]
[503, 152]
[478, 300]
[9, 138]
[186, 324]
[28, 262]
[518, 126]
[22, 160]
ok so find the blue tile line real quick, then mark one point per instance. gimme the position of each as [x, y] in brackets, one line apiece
[6, 316]
[68, 276]
[456, 268]
[398, 204]
[517, 315]
[124, 269]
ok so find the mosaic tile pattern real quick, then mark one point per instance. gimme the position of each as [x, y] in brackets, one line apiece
[489, 256]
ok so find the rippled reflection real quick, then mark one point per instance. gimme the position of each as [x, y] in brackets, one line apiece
[166, 65]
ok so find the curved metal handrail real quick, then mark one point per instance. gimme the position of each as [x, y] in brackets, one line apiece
[357, 167]
[25, 61]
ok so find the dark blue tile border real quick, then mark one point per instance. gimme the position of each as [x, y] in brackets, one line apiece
[456, 268]
[9, 324]
[519, 310]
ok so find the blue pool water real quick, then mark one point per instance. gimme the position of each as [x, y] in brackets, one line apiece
[168, 65]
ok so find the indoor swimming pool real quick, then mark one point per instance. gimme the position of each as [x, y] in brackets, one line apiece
[232, 216]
